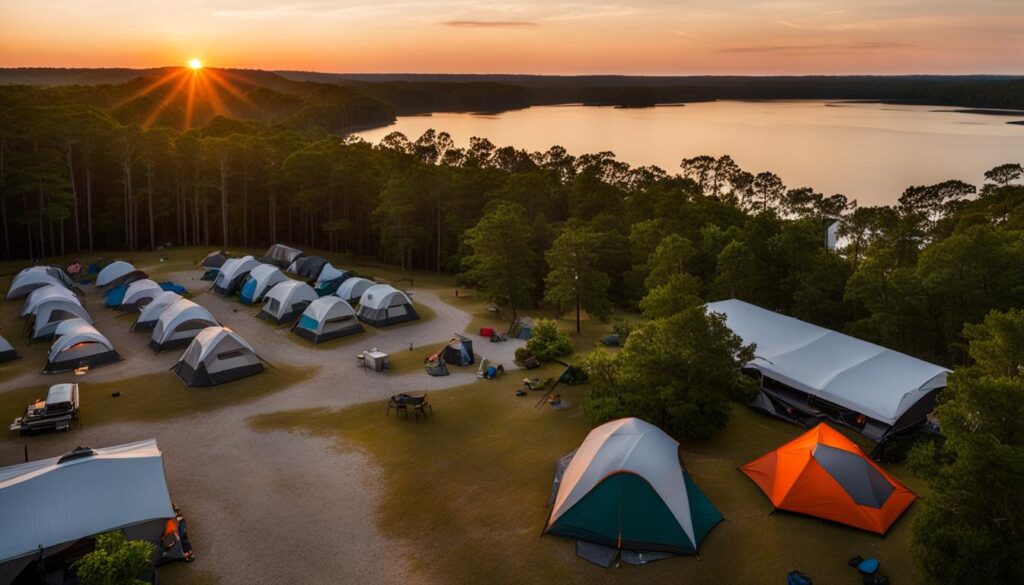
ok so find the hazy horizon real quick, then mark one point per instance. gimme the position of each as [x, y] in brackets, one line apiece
[636, 37]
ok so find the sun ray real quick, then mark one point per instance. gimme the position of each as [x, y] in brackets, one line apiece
[158, 82]
[190, 101]
[168, 99]
[221, 81]
[209, 93]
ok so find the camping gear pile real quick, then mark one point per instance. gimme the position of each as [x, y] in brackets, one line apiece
[488, 371]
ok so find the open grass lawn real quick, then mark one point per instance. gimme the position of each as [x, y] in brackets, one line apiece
[154, 397]
[468, 486]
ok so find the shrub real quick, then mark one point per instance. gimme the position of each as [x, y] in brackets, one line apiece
[521, 354]
[548, 342]
[116, 561]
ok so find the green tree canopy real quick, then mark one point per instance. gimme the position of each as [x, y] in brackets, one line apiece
[502, 257]
[576, 274]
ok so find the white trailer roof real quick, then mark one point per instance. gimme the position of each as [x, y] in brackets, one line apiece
[855, 374]
[45, 503]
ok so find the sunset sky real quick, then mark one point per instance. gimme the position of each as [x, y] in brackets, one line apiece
[454, 36]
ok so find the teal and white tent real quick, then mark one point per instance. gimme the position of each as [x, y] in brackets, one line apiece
[624, 491]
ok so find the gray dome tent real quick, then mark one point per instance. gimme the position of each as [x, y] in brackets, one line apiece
[308, 267]
[327, 318]
[113, 272]
[282, 256]
[286, 301]
[330, 279]
[45, 293]
[384, 305]
[352, 289]
[217, 356]
[178, 324]
[30, 279]
[459, 351]
[231, 274]
[78, 344]
[7, 351]
[214, 259]
[150, 313]
[139, 293]
[260, 280]
[49, 313]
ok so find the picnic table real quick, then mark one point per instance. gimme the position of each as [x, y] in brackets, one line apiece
[403, 402]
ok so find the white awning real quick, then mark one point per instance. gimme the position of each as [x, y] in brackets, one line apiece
[857, 375]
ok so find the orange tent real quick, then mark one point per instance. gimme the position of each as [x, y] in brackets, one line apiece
[822, 473]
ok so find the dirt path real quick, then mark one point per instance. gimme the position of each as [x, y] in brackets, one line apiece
[268, 507]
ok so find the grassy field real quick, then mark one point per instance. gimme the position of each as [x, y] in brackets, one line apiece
[467, 488]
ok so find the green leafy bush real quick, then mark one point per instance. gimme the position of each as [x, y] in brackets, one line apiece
[548, 341]
[116, 561]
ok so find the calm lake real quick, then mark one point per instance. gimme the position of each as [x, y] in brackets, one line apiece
[869, 152]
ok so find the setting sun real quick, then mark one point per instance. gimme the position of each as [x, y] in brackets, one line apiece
[195, 64]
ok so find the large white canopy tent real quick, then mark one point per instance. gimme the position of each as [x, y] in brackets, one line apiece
[50, 504]
[826, 374]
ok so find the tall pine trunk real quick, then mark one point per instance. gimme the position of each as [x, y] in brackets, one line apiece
[74, 199]
[149, 201]
[224, 198]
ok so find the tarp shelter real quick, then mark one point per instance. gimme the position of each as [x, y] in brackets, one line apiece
[523, 328]
[258, 282]
[30, 279]
[214, 259]
[50, 313]
[327, 318]
[217, 356]
[308, 267]
[330, 279]
[822, 473]
[115, 296]
[286, 301]
[232, 273]
[150, 313]
[113, 272]
[282, 256]
[459, 351]
[139, 294]
[170, 286]
[78, 344]
[352, 289]
[384, 305]
[625, 489]
[808, 372]
[178, 324]
[7, 351]
[48, 505]
[45, 293]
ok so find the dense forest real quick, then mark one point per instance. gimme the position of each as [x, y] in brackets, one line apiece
[937, 275]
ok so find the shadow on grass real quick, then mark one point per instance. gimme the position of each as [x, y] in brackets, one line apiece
[157, 397]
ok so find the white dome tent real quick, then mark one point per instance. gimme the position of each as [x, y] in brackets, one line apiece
[217, 356]
[231, 274]
[384, 305]
[112, 272]
[178, 324]
[28, 281]
[281, 255]
[139, 294]
[44, 293]
[624, 491]
[149, 314]
[49, 313]
[7, 351]
[327, 318]
[351, 289]
[78, 344]
[286, 301]
[260, 280]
